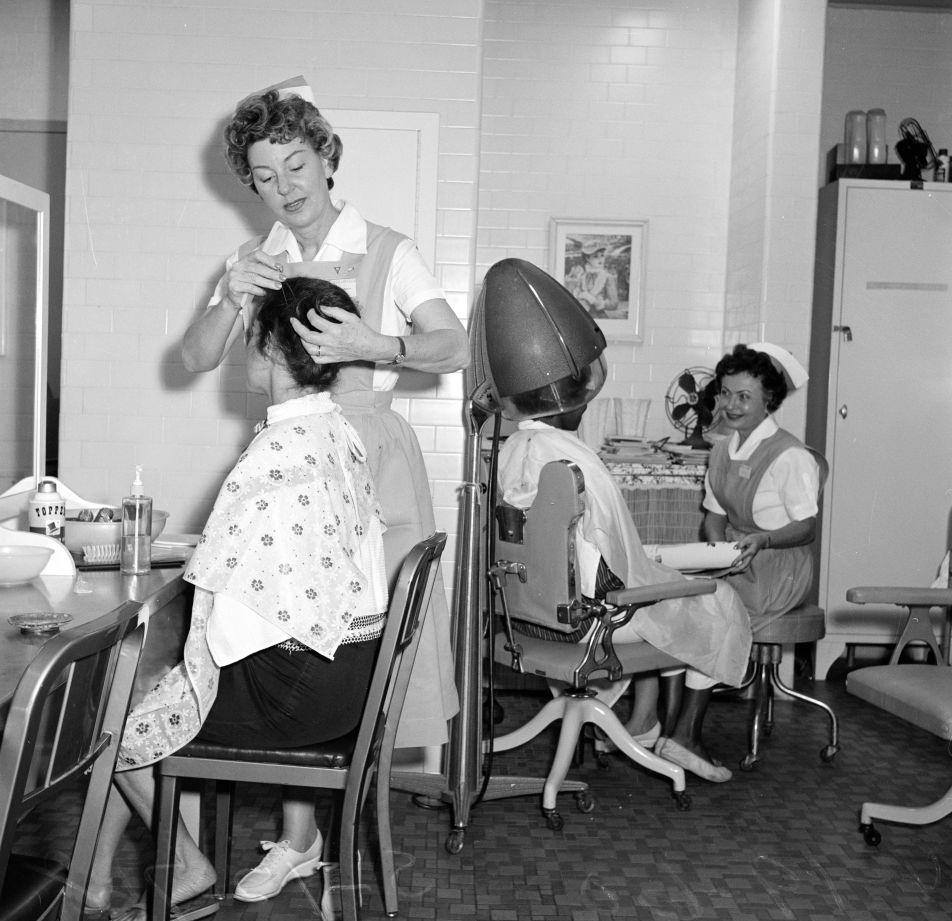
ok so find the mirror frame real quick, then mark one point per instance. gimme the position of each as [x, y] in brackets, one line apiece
[39, 203]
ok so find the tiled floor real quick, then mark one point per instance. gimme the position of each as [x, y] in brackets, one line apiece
[778, 843]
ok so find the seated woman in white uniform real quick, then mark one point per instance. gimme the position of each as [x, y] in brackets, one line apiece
[762, 486]
[710, 633]
[290, 603]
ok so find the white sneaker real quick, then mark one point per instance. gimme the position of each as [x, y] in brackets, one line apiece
[330, 897]
[281, 863]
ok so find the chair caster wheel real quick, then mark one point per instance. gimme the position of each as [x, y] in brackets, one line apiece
[748, 763]
[871, 834]
[553, 819]
[454, 840]
[829, 753]
[585, 802]
[682, 801]
[768, 729]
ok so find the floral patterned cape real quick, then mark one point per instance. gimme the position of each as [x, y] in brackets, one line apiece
[282, 539]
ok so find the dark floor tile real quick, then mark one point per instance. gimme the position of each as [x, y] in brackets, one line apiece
[780, 842]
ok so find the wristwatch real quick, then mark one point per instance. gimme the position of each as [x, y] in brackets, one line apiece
[401, 356]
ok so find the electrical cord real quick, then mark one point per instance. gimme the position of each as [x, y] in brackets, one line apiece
[490, 703]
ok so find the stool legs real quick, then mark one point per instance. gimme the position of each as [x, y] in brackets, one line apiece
[766, 658]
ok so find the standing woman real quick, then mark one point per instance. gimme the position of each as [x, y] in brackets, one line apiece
[762, 484]
[279, 145]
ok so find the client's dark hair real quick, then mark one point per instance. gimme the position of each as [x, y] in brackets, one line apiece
[294, 299]
[758, 365]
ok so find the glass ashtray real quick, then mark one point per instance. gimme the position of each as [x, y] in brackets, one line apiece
[39, 624]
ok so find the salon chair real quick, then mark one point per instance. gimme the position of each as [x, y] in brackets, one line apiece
[63, 731]
[543, 615]
[346, 765]
[919, 693]
[803, 624]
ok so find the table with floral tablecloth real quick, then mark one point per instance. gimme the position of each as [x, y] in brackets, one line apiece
[664, 497]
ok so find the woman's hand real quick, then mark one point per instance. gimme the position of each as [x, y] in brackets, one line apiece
[253, 275]
[749, 546]
[347, 339]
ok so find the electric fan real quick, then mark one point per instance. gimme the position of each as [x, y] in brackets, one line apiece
[690, 403]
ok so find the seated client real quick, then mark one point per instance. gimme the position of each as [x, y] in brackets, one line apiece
[290, 603]
[710, 633]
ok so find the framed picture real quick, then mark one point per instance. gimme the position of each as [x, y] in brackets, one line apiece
[603, 264]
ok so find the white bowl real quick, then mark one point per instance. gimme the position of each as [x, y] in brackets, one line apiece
[22, 562]
[81, 534]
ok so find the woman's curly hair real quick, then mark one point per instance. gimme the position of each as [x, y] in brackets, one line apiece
[273, 328]
[758, 365]
[266, 117]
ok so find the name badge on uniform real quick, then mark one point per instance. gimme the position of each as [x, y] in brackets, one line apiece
[744, 472]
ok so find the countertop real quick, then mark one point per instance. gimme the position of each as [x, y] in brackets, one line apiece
[162, 591]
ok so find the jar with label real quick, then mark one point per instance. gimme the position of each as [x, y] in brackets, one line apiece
[46, 513]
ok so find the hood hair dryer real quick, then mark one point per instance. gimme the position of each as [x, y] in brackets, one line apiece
[536, 353]
[536, 350]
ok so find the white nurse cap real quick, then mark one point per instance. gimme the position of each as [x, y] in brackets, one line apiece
[293, 86]
[794, 373]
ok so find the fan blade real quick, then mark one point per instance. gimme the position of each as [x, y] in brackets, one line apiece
[687, 383]
[704, 416]
[682, 409]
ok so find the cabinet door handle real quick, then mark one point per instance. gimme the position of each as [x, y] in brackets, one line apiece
[846, 331]
[843, 411]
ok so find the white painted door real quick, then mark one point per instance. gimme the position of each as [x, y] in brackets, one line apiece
[889, 436]
[388, 170]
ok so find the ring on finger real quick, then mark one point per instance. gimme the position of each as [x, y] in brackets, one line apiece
[317, 351]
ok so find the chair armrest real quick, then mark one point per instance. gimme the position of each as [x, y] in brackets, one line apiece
[894, 594]
[649, 594]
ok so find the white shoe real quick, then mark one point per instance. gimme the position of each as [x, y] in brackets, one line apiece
[330, 898]
[281, 864]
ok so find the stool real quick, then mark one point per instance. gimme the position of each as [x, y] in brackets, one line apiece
[805, 624]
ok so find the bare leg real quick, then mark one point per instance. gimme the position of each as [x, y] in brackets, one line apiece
[115, 820]
[193, 873]
[644, 708]
[299, 824]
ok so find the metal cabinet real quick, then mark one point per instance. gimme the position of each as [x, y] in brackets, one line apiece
[880, 397]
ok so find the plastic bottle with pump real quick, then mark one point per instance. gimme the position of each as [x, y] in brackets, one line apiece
[942, 166]
[135, 542]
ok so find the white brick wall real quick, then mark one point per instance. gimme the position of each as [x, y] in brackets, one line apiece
[152, 212]
[591, 110]
[773, 187]
[610, 111]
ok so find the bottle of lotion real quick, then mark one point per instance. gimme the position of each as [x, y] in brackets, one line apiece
[135, 541]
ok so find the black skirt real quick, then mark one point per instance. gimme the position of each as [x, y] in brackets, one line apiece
[278, 698]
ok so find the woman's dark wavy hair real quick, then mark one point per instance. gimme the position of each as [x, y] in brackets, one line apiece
[273, 328]
[758, 365]
[266, 117]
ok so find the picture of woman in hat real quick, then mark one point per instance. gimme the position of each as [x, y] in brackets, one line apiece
[592, 283]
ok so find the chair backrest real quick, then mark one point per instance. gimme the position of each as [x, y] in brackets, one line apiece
[542, 542]
[391, 676]
[65, 720]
